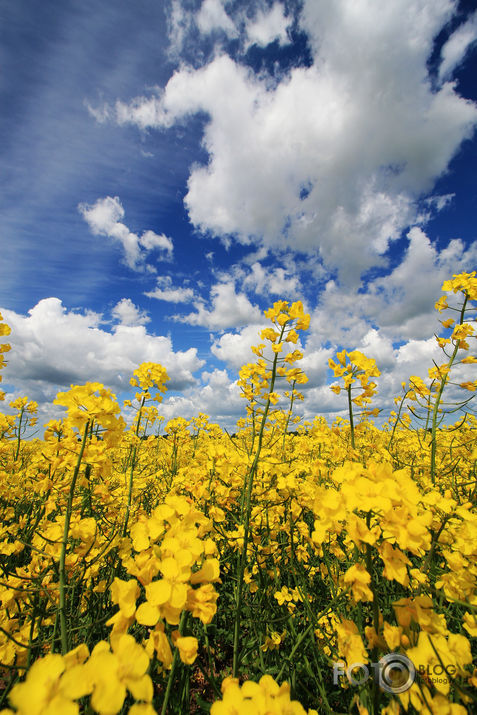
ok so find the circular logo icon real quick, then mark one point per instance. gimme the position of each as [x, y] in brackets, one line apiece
[396, 673]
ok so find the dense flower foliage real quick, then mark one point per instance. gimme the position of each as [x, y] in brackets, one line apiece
[173, 568]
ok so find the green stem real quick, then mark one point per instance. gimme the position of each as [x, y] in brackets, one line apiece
[398, 416]
[213, 681]
[131, 471]
[175, 659]
[17, 452]
[298, 642]
[285, 431]
[130, 488]
[439, 397]
[62, 570]
[374, 590]
[248, 491]
[351, 422]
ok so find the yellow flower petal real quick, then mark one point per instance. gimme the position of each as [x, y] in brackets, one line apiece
[158, 592]
[147, 614]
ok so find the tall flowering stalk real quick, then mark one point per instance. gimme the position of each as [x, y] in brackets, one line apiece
[148, 375]
[425, 399]
[4, 348]
[25, 418]
[87, 405]
[257, 382]
[64, 543]
[355, 367]
[466, 285]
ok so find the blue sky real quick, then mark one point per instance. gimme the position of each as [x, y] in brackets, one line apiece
[170, 169]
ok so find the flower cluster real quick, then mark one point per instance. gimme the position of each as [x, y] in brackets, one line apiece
[92, 404]
[263, 698]
[169, 556]
[355, 367]
[148, 375]
[257, 380]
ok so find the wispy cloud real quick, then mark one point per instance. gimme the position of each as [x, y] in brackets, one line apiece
[53, 154]
[457, 46]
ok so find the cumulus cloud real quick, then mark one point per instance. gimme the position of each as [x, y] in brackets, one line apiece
[104, 218]
[457, 46]
[401, 303]
[396, 362]
[218, 396]
[126, 313]
[315, 365]
[171, 294]
[254, 22]
[234, 349]
[392, 319]
[333, 157]
[228, 309]
[53, 347]
[396, 365]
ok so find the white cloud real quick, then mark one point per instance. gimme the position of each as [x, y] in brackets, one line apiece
[392, 320]
[234, 349]
[401, 303]
[275, 281]
[268, 25]
[322, 401]
[335, 157]
[457, 46]
[212, 16]
[53, 348]
[396, 365]
[219, 397]
[126, 313]
[104, 218]
[379, 347]
[150, 241]
[315, 365]
[169, 293]
[229, 309]
[414, 357]
[142, 111]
